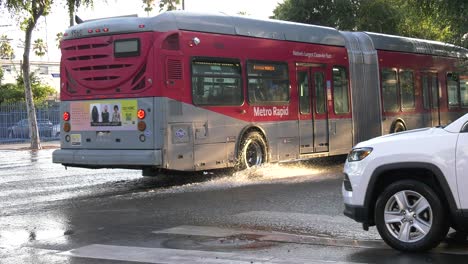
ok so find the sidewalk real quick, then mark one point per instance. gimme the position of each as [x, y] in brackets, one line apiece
[26, 146]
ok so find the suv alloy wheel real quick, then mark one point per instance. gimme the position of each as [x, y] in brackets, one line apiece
[410, 216]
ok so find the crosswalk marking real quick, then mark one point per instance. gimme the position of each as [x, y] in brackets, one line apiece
[209, 231]
[179, 256]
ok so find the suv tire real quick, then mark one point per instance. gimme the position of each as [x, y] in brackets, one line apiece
[410, 216]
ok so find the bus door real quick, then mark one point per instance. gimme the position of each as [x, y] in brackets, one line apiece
[430, 86]
[313, 117]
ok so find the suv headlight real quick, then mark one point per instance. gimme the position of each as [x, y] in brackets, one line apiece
[358, 154]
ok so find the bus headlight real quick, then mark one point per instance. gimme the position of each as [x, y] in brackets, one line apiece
[359, 154]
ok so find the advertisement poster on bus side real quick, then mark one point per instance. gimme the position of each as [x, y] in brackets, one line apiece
[109, 115]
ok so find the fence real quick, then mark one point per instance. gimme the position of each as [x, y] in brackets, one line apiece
[14, 126]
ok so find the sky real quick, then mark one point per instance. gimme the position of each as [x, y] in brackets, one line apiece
[57, 21]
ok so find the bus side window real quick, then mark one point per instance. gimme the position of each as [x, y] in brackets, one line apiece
[340, 91]
[464, 90]
[216, 82]
[390, 90]
[268, 82]
[407, 89]
[452, 90]
[425, 91]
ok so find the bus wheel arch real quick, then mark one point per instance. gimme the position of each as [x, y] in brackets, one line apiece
[398, 125]
[252, 148]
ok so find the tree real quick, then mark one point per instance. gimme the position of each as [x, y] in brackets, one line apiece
[31, 11]
[6, 51]
[168, 5]
[379, 16]
[10, 93]
[39, 47]
[58, 39]
[163, 5]
[445, 21]
[339, 14]
[455, 12]
[73, 5]
[148, 4]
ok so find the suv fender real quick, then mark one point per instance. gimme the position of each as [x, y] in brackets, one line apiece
[379, 172]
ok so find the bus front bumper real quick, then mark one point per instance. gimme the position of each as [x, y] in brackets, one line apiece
[107, 158]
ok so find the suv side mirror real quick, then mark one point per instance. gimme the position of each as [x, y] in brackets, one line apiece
[464, 128]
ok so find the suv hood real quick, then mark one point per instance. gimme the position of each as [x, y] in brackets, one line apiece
[416, 134]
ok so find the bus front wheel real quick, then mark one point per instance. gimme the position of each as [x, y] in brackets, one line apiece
[398, 127]
[252, 151]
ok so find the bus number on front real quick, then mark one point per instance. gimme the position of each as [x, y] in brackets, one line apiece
[76, 33]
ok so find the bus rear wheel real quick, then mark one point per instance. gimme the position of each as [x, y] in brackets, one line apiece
[252, 151]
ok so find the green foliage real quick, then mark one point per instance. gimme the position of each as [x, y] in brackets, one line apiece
[380, 16]
[163, 5]
[15, 92]
[73, 5]
[168, 5]
[58, 39]
[148, 5]
[337, 14]
[6, 50]
[445, 21]
[39, 47]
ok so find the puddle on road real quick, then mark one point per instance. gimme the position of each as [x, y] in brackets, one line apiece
[26, 229]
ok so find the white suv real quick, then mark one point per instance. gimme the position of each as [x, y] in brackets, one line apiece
[412, 185]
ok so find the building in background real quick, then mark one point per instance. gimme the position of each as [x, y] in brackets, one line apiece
[47, 72]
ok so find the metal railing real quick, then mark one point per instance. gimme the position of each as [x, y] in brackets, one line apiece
[14, 127]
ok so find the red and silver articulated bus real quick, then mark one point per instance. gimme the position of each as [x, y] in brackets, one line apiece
[191, 91]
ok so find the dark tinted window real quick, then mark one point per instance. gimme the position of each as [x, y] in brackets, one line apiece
[452, 90]
[407, 89]
[320, 93]
[435, 92]
[425, 90]
[304, 96]
[464, 90]
[340, 90]
[389, 90]
[216, 82]
[268, 82]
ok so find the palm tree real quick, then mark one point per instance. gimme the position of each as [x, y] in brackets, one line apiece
[39, 47]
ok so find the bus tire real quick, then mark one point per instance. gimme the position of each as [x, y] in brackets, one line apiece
[398, 126]
[252, 151]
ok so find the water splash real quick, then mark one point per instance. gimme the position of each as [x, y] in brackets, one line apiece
[265, 174]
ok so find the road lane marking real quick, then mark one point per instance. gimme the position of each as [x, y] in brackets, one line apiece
[179, 256]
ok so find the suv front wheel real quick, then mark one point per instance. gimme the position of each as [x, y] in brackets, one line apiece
[410, 216]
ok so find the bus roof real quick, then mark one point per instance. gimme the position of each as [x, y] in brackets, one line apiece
[413, 45]
[221, 23]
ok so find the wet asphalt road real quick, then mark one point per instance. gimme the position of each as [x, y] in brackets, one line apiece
[289, 213]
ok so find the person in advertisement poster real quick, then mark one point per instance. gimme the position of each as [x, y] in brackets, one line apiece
[105, 115]
[116, 114]
[100, 115]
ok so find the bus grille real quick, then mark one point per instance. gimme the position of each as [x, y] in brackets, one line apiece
[92, 67]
